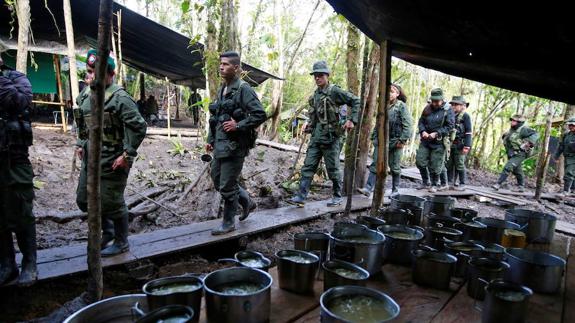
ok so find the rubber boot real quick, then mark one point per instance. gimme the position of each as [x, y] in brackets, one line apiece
[424, 172]
[501, 180]
[299, 198]
[8, 268]
[368, 185]
[336, 199]
[248, 205]
[462, 177]
[567, 185]
[434, 183]
[395, 183]
[120, 244]
[520, 183]
[228, 222]
[107, 232]
[27, 243]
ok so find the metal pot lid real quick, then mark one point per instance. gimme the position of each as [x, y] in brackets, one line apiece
[538, 258]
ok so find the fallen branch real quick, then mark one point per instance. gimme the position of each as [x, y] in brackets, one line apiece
[153, 201]
[61, 217]
[257, 172]
[194, 184]
[136, 199]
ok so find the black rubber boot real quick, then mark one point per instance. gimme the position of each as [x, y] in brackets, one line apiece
[336, 199]
[299, 198]
[8, 268]
[520, 183]
[120, 244]
[248, 205]
[567, 185]
[395, 183]
[462, 177]
[107, 232]
[424, 172]
[27, 243]
[443, 177]
[228, 223]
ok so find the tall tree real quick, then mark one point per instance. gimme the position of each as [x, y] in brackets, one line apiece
[23, 13]
[211, 49]
[569, 112]
[543, 156]
[95, 280]
[228, 37]
[277, 90]
[71, 50]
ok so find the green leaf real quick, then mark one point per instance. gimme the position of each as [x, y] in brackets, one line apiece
[185, 6]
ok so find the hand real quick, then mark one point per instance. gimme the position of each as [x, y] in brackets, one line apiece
[348, 125]
[80, 153]
[230, 126]
[433, 135]
[399, 145]
[120, 162]
[424, 135]
[466, 150]
[209, 148]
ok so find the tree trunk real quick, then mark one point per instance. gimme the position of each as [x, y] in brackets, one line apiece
[228, 38]
[211, 51]
[277, 91]
[95, 279]
[370, 104]
[23, 13]
[141, 79]
[569, 113]
[382, 125]
[543, 156]
[74, 85]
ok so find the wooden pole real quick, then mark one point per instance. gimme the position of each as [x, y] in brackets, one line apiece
[95, 279]
[60, 92]
[75, 90]
[115, 51]
[382, 126]
[142, 86]
[23, 15]
[543, 156]
[168, 104]
[121, 67]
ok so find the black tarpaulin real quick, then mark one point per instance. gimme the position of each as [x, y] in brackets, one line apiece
[526, 46]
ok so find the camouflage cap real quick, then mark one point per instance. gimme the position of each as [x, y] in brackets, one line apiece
[320, 67]
[436, 94]
[517, 117]
[91, 60]
[458, 99]
[571, 121]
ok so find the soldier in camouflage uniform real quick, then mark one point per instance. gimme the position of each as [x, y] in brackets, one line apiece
[519, 142]
[326, 130]
[567, 148]
[461, 144]
[123, 132]
[234, 117]
[16, 178]
[400, 127]
[435, 125]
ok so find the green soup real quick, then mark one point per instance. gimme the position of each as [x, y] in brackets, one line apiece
[175, 288]
[349, 274]
[239, 288]
[359, 308]
[298, 259]
[511, 296]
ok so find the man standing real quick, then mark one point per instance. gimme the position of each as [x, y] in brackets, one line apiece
[123, 131]
[435, 124]
[519, 142]
[16, 178]
[567, 148]
[194, 103]
[461, 144]
[400, 124]
[326, 129]
[234, 117]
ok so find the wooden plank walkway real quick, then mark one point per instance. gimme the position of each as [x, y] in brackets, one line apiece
[57, 262]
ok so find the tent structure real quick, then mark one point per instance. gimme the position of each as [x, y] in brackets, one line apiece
[146, 45]
[522, 46]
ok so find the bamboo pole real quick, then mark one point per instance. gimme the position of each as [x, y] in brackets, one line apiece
[74, 88]
[382, 125]
[60, 92]
[95, 279]
[543, 156]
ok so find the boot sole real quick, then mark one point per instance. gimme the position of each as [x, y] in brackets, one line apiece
[296, 204]
[123, 250]
[219, 233]
[245, 216]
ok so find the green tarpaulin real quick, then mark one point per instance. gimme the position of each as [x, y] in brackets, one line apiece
[41, 74]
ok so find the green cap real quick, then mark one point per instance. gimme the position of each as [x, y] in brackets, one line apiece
[571, 121]
[458, 99]
[91, 60]
[320, 67]
[436, 94]
[517, 117]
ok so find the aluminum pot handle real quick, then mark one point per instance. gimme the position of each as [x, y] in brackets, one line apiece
[232, 260]
[137, 312]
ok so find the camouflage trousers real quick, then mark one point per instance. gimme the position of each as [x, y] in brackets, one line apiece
[16, 196]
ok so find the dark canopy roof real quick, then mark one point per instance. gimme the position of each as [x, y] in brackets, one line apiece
[146, 45]
[526, 46]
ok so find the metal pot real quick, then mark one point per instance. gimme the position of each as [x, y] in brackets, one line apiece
[315, 242]
[191, 298]
[436, 237]
[439, 205]
[395, 216]
[539, 226]
[499, 308]
[414, 204]
[463, 251]
[482, 271]
[326, 299]
[297, 277]
[170, 313]
[250, 259]
[464, 214]
[433, 268]
[358, 245]
[446, 221]
[370, 221]
[495, 228]
[114, 309]
[333, 279]
[540, 271]
[472, 230]
[252, 307]
[397, 250]
[491, 250]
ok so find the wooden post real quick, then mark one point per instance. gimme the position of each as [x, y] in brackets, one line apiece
[75, 90]
[168, 108]
[142, 86]
[121, 67]
[382, 126]
[23, 14]
[60, 92]
[543, 156]
[95, 279]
